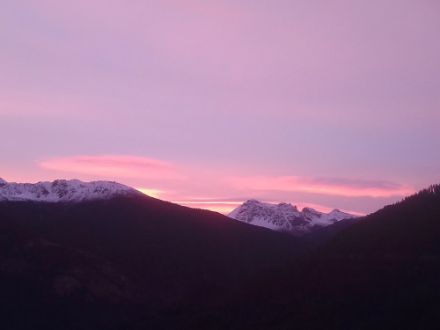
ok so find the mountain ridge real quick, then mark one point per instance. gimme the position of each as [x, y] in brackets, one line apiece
[63, 191]
[286, 217]
[142, 263]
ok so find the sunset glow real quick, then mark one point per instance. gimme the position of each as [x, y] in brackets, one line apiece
[332, 103]
[150, 192]
[221, 207]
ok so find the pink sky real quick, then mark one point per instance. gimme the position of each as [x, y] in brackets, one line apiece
[209, 103]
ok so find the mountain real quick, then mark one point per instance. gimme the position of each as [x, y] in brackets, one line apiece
[378, 273]
[286, 217]
[408, 228]
[134, 262]
[63, 191]
[126, 261]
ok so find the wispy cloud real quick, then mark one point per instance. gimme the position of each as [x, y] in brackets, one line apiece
[327, 186]
[114, 166]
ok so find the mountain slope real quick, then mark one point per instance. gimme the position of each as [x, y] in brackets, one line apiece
[379, 273]
[134, 262]
[410, 227]
[285, 217]
[125, 262]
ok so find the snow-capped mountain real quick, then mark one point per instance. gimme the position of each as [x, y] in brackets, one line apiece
[63, 191]
[285, 217]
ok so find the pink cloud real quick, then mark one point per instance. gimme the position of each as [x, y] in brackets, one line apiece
[114, 166]
[326, 186]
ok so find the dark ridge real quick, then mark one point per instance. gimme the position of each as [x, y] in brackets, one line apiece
[379, 273]
[116, 263]
[140, 263]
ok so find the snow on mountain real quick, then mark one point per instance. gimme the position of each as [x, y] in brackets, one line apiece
[63, 191]
[285, 217]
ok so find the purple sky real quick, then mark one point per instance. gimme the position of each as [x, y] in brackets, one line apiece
[209, 103]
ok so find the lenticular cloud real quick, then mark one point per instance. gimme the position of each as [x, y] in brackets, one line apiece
[114, 166]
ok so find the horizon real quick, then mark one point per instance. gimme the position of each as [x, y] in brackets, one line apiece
[223, 207]
[210, 104]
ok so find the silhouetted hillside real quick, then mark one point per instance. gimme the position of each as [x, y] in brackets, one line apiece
[140, 263]
[104, 264]
[381, 272]
[410, 227]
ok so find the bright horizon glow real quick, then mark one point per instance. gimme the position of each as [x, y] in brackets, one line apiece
[177, 183]
[225, 206]
[150, 192]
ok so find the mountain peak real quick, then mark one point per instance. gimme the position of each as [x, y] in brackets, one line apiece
[310, 210]
[2, 182]
[252, 201]
[285, 217]
[63, 191]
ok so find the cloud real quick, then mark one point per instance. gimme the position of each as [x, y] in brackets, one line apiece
[326, 186]
[114, 166]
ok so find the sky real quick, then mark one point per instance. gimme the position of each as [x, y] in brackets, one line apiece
[331, 104]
